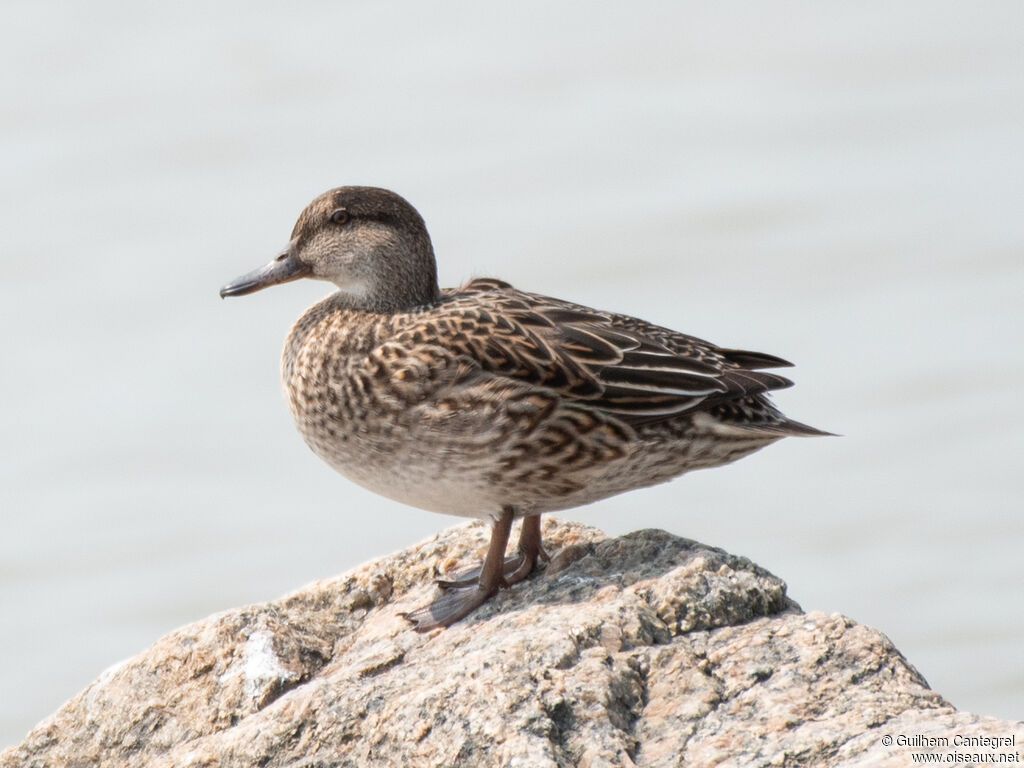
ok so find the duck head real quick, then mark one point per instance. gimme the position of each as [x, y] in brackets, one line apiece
[368, 241]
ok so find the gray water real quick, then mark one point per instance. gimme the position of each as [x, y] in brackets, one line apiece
[840, 185]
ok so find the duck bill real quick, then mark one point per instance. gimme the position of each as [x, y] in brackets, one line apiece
[285, 268]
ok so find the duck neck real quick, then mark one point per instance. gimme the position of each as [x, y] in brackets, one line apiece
[403, 279]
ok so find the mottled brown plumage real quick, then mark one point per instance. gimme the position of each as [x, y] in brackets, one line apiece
[487, 401]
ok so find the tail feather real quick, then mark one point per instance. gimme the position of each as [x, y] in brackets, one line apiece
[798, 429]
[753, 361]
[757, 415]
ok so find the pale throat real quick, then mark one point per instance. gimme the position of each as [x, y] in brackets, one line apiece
[358, 288]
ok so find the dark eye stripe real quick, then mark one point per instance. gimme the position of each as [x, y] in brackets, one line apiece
[387, 218]
[343, 216]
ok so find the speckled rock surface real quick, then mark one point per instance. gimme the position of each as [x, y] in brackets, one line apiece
[646, 650]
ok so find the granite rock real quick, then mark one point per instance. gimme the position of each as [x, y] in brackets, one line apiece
[645, 650]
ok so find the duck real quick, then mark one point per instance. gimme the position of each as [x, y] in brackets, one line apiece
[489, 402]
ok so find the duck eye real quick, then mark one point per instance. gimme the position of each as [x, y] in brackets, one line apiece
[340, 216]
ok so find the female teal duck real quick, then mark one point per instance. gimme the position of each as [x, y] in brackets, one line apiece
[486, 401]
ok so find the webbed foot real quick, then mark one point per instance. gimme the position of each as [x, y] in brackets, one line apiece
[471, 589]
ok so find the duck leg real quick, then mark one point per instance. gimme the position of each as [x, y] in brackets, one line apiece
[517, 567]
[530, 550]
[458, 603]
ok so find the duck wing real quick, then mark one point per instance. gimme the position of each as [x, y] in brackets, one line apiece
[623, 366]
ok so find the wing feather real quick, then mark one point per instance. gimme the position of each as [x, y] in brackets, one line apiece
[618, 364]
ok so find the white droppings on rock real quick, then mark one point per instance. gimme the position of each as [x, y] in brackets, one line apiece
[260, 668]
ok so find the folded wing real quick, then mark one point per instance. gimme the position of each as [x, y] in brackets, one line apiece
[623, 366]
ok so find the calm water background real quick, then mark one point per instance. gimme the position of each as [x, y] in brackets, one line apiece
[839, 185]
